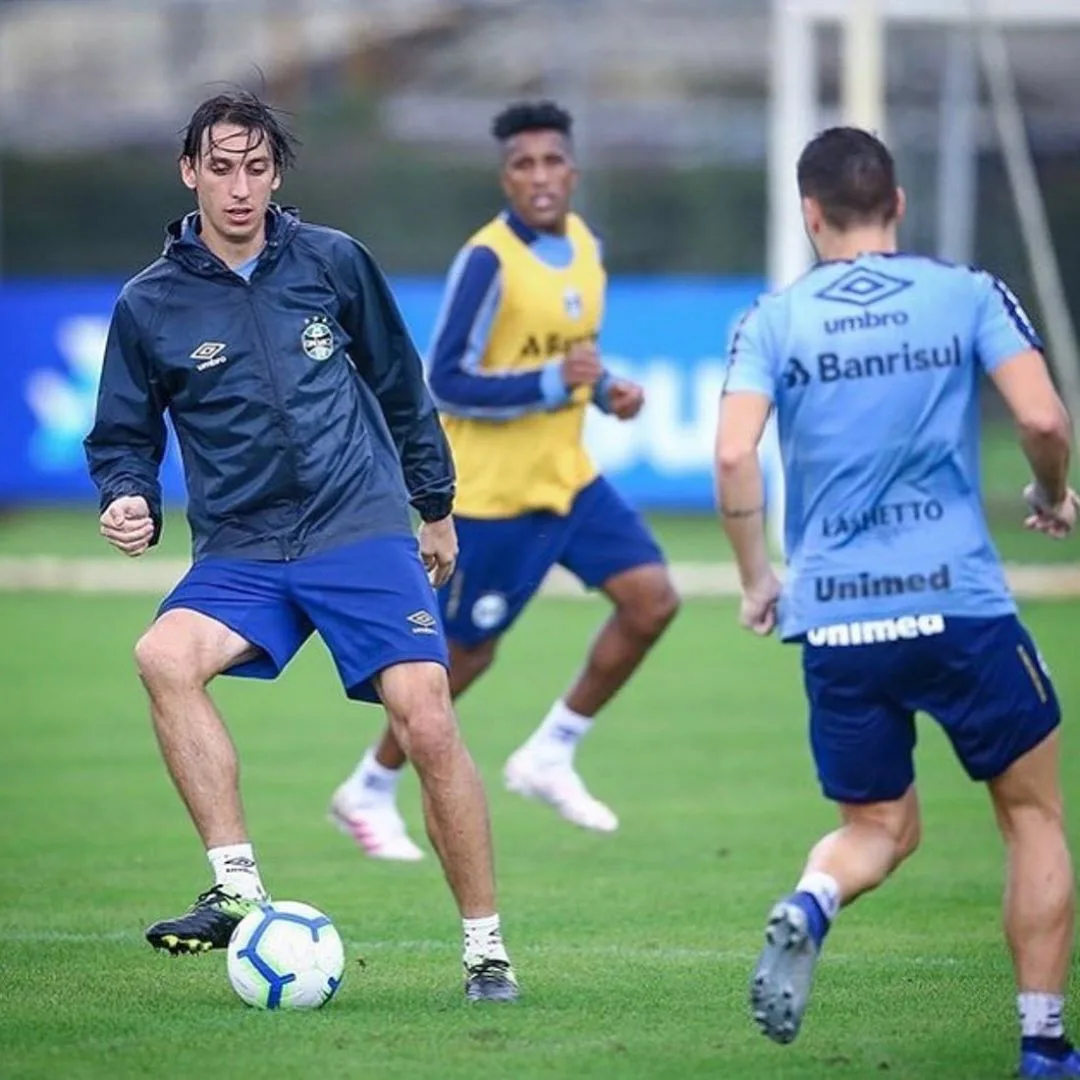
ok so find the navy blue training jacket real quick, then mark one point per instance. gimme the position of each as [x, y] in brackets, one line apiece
[298, 399]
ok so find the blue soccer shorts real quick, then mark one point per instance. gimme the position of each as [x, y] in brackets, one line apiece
[982, 680]
[503, 562]
[371, 602]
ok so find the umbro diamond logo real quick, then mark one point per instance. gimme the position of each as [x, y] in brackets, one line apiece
[208, 355]
[862, 287]
[423, 622]
[208, 350]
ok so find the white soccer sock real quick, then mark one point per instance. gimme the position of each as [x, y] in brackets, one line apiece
[1040, 1015]
[235, 870]
[483, 940]
[372, 782]
[824, 888]
[556, 739]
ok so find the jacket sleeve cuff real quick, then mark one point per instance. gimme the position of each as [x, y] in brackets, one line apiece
[433, 507]
[553, 390]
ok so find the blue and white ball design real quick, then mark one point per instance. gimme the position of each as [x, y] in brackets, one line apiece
[285, 955]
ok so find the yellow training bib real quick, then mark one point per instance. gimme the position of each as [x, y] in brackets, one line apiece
[536, 461]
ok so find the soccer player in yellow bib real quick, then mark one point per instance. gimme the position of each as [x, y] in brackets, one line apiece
[514, 367]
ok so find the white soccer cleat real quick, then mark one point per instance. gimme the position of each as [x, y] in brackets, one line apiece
[561, 788]
[377, 828]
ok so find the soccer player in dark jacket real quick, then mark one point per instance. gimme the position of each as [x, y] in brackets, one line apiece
[306, 430]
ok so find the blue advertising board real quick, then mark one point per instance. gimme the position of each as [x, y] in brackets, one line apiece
[670, 334]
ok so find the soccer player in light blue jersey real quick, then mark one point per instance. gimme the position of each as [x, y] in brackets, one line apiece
[873, 362]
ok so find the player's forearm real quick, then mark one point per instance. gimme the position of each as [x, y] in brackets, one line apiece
[501, 393]
[126, 445]
[1046, 446]
[1023, 380]
[741, 501]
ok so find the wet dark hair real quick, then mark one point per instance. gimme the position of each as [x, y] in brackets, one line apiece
[245, 110]
[531, 116]
[852, 176]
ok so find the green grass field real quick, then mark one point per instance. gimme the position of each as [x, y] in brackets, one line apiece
[633, 950]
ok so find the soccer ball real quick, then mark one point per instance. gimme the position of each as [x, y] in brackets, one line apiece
[285, 955]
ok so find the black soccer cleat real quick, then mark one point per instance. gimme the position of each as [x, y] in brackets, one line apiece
[491, 980]
[207, 924]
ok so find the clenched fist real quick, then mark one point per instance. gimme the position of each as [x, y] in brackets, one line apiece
[625, 398]
[127, 524]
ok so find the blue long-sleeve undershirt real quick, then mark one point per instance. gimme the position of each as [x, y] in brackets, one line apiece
[458, 384]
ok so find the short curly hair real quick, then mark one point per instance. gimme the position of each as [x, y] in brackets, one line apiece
[531, 116]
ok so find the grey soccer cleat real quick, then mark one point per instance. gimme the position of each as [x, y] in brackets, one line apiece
[784, 973]
[490, 980]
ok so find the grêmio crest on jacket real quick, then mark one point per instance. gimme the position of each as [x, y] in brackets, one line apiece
[317, 339]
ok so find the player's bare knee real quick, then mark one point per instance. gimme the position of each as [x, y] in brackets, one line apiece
[173, 654]
[428, 731]
[417, 700]
[652, 609]
[164, 660]
[1028, 794]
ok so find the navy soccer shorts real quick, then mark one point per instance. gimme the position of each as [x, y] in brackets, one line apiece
[982, 680]
[504, 561]
[371, 602]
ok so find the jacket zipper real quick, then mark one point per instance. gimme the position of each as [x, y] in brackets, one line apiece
[283, 420]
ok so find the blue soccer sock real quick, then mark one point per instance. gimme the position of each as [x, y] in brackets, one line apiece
[818, 896]
[815, 917]
[1058, 1048]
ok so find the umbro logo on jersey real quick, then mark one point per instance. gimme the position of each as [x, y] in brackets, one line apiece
[423, 622]
[862, 287]
[572, 303]
[865, 320]
[208, 355]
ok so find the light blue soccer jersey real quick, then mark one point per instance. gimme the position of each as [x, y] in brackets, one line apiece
[873, 366]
